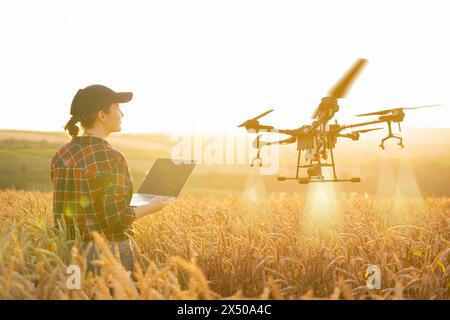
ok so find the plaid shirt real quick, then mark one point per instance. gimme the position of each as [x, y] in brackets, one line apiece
[92, 189]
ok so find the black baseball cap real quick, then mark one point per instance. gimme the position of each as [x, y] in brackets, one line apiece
[93, 98]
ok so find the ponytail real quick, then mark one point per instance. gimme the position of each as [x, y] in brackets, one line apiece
[71, 126]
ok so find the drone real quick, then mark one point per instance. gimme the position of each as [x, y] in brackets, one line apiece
[318, 139]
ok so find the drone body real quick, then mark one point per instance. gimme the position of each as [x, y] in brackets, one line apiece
[318, 139]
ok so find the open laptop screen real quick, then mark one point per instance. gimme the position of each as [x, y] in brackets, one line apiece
[167, 177]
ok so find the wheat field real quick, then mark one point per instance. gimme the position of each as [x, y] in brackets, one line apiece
[228, 247]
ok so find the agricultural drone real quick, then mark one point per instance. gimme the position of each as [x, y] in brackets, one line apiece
[318, 139]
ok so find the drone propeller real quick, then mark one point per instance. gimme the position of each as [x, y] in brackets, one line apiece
[382, 112]
[255, 118]
[420, 107]
[341, 87]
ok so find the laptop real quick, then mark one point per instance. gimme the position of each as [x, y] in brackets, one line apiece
[166, 178]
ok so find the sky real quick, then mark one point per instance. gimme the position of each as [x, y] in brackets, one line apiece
[206, 65]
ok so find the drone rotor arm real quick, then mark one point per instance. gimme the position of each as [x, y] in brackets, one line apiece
[281, 142]
[368, 130]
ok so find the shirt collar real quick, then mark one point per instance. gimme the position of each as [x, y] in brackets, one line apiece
[85, 140]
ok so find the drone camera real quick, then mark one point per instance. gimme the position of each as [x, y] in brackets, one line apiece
[315, 171]
[303, 180]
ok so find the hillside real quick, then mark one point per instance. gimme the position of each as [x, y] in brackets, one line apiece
[422, 167]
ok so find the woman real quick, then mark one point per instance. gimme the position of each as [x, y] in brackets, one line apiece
[92, 183]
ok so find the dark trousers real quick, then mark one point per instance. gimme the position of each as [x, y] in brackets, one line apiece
[125, 252]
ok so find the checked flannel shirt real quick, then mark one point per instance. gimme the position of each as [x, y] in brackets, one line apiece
[92, 189]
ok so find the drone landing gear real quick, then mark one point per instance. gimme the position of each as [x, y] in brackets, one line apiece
[308, 180]
[314, 170]
[392, 136]
[256, 160]
[400, 143]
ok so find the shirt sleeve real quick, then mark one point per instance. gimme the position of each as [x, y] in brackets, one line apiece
[56, 214]
[118, 192]
[52, 168]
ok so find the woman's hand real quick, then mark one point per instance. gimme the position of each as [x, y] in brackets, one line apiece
[156, 205]
[159, 203]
